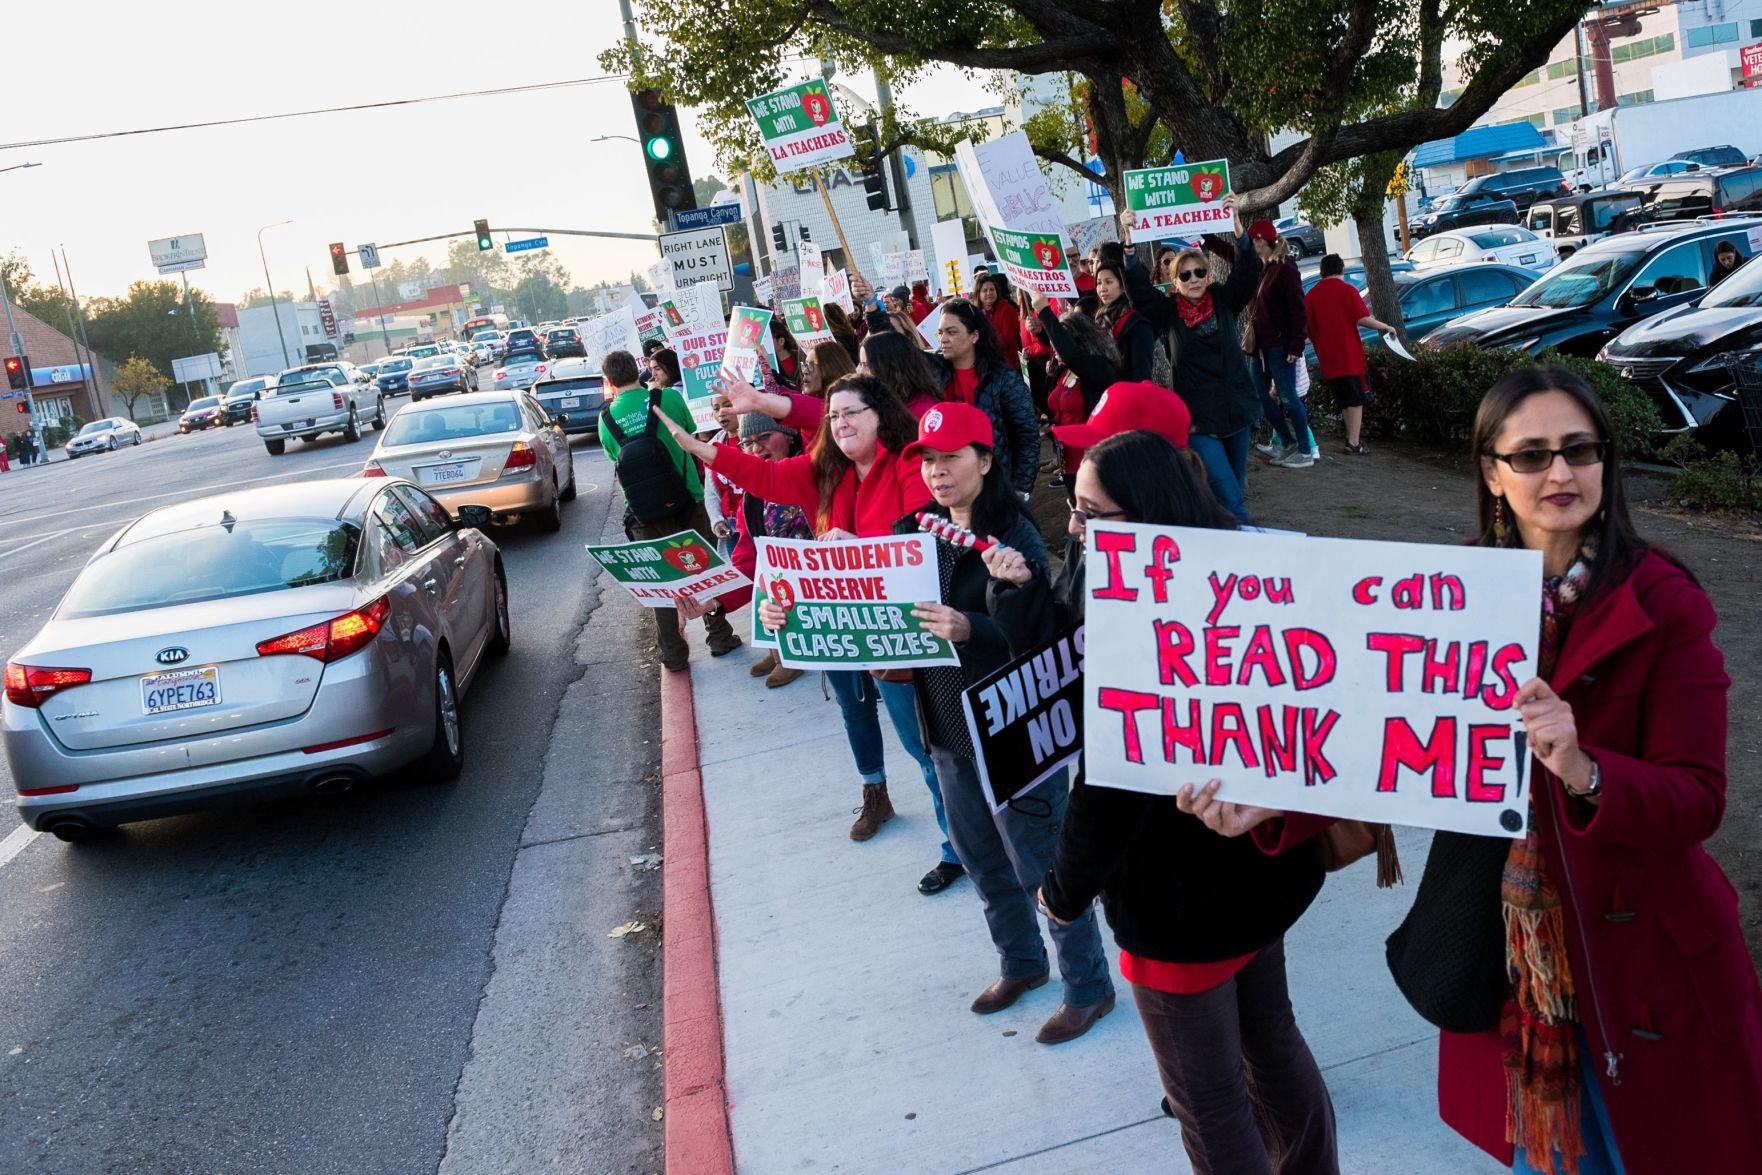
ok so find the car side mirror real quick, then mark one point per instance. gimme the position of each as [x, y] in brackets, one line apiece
[478, 517]
[559, 420]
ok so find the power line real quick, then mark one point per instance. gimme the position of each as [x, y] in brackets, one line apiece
[532, 87]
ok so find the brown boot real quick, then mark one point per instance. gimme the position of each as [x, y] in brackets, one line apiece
[1069, 1023]
[1005, 992]
[782, 676]
[877, 810]
[764, 664]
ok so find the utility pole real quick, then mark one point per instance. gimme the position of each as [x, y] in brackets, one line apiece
[79, 315]
[1578, 61]
[18, 349]
[269, 284]
[908, 215]
[81, 357]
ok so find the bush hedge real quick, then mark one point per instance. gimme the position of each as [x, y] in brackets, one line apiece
[1434, 398]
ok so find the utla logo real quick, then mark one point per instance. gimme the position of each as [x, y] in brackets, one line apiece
[689, 557]
[933, 420]
[780, 592]
[1208, 185]
[1048, 254]
[813, 313]
[816, 106]
[749, 333]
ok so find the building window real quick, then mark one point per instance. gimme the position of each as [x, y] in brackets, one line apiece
[1534, 77]
[1756, 28]
[1566, 114]
[1539, 121]
[1448, 97]
[1711, 34]
[1633, 99]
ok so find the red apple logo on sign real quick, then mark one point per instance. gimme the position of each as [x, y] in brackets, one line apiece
[780, 592]
[674, 318]
[1048, 254]
[1208, 185]
[689, 557]
[813, 318]
[749, 333]
[817, 107]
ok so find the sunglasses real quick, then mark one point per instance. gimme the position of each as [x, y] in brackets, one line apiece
[1188, 275]
[1579, 453]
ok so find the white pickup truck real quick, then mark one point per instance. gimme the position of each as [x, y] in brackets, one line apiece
[314, 399]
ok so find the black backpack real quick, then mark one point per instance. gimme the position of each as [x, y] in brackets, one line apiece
[653, 488]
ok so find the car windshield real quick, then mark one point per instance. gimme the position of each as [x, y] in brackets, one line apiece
[1582, 279]
[204, 403]
[1449, 203]
[1638, 173]
[564, 387]
[434, 361]
[249, 387]
[1743, 288]
[214, 562]
[95, 426]
[452, 423]
[391, 365]
[521, 355]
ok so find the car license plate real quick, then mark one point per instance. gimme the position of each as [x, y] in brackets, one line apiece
[287, 428]
[1528, 259]
[441, 474]
[183, 689]
[571, 402]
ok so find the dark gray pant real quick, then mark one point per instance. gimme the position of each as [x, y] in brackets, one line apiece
[1240, 1076]
[1006, 855]
[675, 652]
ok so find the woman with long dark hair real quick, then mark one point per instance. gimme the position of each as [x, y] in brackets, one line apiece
[843, 330]
[1600, 1009]
[1131, 331]
[852, 483]
[1088, 363]
[826, 363]
[992, 294]
[1281, 332]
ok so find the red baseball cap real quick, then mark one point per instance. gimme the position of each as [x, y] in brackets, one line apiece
[1263, 230]
[948, 427]
[1127, 406]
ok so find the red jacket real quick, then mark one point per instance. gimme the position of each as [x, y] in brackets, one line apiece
[1653, 934]
[1007, 322]
[866, 508]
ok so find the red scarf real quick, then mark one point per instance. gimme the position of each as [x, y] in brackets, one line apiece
[1194, 311]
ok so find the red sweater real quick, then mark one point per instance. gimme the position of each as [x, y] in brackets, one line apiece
[867, 508]
[1008, 325]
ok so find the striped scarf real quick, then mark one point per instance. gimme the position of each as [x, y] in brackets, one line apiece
[1538, 1028]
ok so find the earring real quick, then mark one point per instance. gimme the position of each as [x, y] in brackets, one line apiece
[1501, 522]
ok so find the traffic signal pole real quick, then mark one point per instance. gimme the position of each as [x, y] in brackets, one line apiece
[18, 349]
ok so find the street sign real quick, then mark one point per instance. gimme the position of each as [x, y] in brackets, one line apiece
[177, 254]
[196, 367]
[369, 256]
[700, 255]
[327, 317]
[710, 217]
[528, 243]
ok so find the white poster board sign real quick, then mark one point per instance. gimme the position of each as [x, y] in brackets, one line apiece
[813, 269]
[837, 290]
[611, 332]
[1367, 680]
[1006, 185]
[948, 241]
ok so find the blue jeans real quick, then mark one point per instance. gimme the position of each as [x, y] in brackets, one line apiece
[1601, 1157]
[1226, 465]
[857, 694]
[1284, 411]
[1006, 854]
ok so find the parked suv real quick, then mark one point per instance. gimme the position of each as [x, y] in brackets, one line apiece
[1572, 222]
[1732, 191]
[1462, 210]
[1604, 288]
[1724, 155]
[1523, 186]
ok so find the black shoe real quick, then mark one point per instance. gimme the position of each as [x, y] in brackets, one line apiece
[940, 878]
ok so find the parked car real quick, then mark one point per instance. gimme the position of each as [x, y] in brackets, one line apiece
[1572, 222]
[495, 449]
[564, 342]
[1462, 209]
[286, 639]
[1431, 298]
[1724, 155]
[1733, 191]
[1523, 186]
[394, 375]
[1355, 274]
[108, 434]
[204, 412]
[521, 367]
[1303, 238]
[1655, 171]
[310, 401]
[440, 375]
[573, 391]
[241, 396]
[1689, 359]
[1603, 289]
[1508, 244]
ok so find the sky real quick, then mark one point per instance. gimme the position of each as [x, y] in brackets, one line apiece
[387, 175]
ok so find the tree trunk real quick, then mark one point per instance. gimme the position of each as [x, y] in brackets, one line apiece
[1375, 172]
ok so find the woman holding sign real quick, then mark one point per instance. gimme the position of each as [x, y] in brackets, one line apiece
[1601, 1012]
[852, 482]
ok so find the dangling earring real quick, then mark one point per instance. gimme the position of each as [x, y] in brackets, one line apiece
[1501, 522]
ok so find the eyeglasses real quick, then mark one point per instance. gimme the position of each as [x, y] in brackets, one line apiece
[1188, 275]
[840, 417]
[1579, 453]
[1081, 516]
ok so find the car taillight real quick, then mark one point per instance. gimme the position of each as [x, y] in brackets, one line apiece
[500, 374]
[520, 456]
[336, 398]
[32, 685]
[541, 369]
[1716, 212]
[254, 417]
[331, 640]
[373, 469]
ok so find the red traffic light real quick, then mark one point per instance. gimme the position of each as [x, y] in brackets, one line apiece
[339, 258]
[18, 373]
[23, 407]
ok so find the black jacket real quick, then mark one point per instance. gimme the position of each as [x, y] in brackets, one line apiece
[1136, 340]
[1210, 372]
[1094, 373]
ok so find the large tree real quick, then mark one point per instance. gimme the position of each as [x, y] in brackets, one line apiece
[152, 321]
[1221, 77]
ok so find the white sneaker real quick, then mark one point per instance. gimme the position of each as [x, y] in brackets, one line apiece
[1296, 459]
[1271, 450]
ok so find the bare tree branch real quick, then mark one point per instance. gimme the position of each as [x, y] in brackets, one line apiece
[1069, 53]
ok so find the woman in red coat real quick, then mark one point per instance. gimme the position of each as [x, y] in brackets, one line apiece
[1627, 1031]
[995, 301]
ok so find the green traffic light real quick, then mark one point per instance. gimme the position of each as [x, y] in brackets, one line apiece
[660, 147]
[485, 244]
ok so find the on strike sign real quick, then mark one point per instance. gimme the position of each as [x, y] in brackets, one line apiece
[661, 572]
[1180, 202]
[849, 603]
[1374, 681]
[800, 126]
[1026, 720]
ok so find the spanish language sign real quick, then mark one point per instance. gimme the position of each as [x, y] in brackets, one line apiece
[1179, 202]
[661, 572]
[1035, 260]
[1368, 680]
[849, 603]
[1027, 718]
[749, 331]
[800, 126]
[807, 319]
[700, 365]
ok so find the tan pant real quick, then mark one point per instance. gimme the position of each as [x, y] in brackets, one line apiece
[668, 635]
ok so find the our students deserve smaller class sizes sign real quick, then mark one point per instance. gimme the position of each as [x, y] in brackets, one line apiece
[848, 603]
[1366, 680]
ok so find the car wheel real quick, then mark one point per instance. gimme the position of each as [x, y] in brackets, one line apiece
[137, 438]
[112, 445]
[378, 420]
[446, 755]
[551, 520]
[1298, 252]
[352, 430]
[276, 447]
[569, 490]
[502, 639]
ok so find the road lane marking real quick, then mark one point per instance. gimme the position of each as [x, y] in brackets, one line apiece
[198, 492]
[55, 535]
[15, 843]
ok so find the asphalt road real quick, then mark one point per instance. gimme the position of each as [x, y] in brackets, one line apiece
[398, 979]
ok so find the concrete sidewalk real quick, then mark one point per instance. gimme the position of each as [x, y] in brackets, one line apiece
[849, 1046]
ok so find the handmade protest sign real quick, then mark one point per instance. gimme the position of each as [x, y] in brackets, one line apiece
[1026, 720]
[762, 290]
[1368, 680]
[807, 319]
[949, 242]
[661, 572]
[837, 289]
[906, 266]
[849, 603]
[1007, 187]
[610, 332]
[749, 334]
[892, 270]
[800, 126]
[1035, 260]
[1086, 234]
[700, 365]
[650, 324]
[812, 267]
[1179, 202]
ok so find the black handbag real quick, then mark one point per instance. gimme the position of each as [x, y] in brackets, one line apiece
[1448, 954]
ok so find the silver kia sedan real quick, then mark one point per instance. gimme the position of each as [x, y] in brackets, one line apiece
[270, 641]
[495, 449]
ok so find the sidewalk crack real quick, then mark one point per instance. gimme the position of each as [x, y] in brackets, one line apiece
[557, 840]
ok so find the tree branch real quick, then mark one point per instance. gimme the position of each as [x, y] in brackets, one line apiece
[1065, 53]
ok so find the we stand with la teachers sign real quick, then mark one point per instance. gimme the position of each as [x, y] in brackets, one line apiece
[1366, 680]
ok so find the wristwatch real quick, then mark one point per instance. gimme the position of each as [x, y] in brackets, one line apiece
[1596, 787]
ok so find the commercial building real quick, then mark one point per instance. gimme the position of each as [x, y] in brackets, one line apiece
[62, 385]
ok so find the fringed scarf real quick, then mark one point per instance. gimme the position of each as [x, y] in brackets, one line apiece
[1194, 311]
[1538, 1027]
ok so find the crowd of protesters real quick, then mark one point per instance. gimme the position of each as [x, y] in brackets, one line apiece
[1599, 1007]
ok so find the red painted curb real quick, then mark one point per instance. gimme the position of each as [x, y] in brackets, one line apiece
[694, 1078]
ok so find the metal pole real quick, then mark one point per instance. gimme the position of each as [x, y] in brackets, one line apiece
[273, 308]
[79, 315]
[18, 349]
[83, 359]
[908, 216]
[384, 335]
[1578, 61]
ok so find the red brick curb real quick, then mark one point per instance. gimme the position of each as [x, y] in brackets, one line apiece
[695, 1081]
